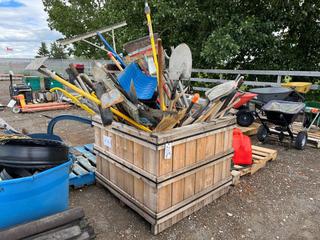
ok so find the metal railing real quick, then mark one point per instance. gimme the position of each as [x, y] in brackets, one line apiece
[271, 73]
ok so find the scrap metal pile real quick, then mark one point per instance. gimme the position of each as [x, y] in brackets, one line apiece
[146, 89]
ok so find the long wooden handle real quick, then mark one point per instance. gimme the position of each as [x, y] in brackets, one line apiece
[93, 99]
[160, 69]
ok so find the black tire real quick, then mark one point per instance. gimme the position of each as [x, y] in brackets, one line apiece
[301, 140]
[33, 153]
[262, 134]
[244, 118]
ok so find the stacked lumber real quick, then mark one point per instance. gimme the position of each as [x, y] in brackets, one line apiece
[169, 175]
[69, 224]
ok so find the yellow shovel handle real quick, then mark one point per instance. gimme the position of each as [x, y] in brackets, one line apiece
[97, 101]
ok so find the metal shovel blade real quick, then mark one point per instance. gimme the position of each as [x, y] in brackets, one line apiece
[36, 64]
[111, 98]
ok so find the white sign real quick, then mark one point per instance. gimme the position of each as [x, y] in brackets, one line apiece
[107, 141]
[168, 151]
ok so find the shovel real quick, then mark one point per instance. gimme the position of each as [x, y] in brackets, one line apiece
[38, 65]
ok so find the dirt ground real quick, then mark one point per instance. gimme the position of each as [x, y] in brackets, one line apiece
[281, 201]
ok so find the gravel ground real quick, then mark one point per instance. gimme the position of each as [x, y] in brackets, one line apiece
[281, 201]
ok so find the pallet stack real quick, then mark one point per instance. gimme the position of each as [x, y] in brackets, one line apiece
[169, 175]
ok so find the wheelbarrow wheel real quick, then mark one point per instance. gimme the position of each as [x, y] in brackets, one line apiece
[301, 140]
[244, 118]
[262, 134]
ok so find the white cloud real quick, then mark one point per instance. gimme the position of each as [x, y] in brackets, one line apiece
[24, 28]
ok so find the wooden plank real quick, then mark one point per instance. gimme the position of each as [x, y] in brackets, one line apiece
[219, 142]
[105, 168]
[208, 176]
[128, 165]
[150, 160]
[217, 173]
[178, 191]
[179, 156]
[97, 136]
[99, 164]
[128, 151]
[138, 190]
[201, 149]
[164, 197]
[194, 170]
[165, 165]
[129, 183]
[150, 197]
[138, 155]
[210, 146]
[199, 181]
[191, 153]
[189, 186]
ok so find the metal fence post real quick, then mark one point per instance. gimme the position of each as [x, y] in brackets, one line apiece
[279, 79]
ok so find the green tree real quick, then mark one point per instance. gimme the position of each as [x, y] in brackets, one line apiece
[57, 51]
[248, 34]
[43, 50]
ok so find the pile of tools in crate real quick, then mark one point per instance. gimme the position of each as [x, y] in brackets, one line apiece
[151, 99]
[145, 90]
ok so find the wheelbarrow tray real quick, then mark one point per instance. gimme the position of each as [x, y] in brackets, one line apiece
[301, 87]
[265, 95]
[282, 113]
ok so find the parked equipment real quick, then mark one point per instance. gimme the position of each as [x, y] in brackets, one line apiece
[244, 115]
[312, 116]
[301, 87]
[282, 114]
[248, 110]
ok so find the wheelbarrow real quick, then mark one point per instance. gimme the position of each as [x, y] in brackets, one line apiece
[244, 116]
[263, 96]
[301, 87]
[282, 114]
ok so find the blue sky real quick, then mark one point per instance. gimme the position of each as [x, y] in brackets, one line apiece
[23, 27]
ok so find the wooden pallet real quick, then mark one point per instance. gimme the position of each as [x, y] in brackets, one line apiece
[84, 167]
[313, 133]
[251, 130]
[260, 157]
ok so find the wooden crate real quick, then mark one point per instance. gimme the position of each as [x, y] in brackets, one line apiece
[159, 174]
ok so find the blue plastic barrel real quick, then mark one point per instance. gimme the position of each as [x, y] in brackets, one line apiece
[30, 198]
